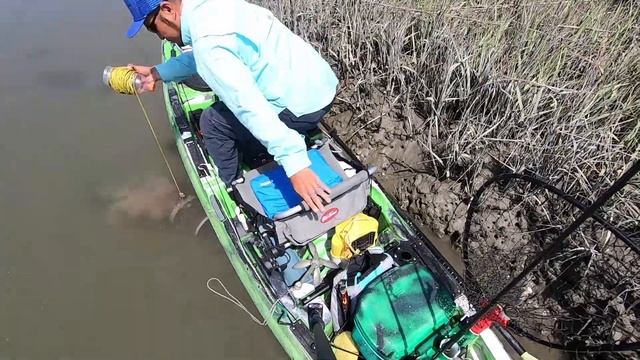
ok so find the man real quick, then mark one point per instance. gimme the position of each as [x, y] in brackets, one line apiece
[273, 85]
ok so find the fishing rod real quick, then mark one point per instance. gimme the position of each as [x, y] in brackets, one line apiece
[547, 253]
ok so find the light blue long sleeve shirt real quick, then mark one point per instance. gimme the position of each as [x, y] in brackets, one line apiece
[257, 67]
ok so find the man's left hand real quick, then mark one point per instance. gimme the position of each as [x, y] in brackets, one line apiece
[311, 189]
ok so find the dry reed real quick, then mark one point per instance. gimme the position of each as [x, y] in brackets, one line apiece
[550, 87]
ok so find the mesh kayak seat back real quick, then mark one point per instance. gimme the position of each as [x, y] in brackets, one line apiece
[268, 191]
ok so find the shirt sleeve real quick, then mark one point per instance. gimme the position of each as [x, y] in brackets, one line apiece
[232, 81]
[177, 68]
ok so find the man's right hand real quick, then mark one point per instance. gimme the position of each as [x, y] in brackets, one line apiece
[311, 189]
[150, 76]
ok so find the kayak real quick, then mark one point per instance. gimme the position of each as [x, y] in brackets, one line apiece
[357, 281]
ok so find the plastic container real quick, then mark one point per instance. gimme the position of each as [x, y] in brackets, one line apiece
[401, 313]
[300, 289]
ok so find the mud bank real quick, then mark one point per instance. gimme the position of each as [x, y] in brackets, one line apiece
[386, 142]
[502, 242]
[439, 94]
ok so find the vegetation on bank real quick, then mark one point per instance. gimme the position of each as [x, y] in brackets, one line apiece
[552, 87]
[439, 93]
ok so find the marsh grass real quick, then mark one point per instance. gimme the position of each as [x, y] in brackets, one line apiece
[550, 87]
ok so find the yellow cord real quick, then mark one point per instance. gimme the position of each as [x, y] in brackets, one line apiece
[122, 80]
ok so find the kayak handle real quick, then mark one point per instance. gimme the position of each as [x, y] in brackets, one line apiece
[513, 342]
[336, 192]
[316, 325]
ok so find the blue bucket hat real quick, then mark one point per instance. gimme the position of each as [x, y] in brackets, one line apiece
[139, 9]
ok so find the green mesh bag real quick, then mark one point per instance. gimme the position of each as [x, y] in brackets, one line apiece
[399, 312]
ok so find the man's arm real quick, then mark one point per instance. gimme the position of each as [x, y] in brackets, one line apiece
[177, 68]
[232, 81]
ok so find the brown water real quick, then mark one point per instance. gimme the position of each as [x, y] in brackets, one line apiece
[74, 284]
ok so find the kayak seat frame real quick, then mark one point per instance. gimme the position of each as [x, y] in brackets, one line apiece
[300, 225]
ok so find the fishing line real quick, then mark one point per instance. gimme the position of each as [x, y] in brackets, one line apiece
[127, 82]
[232, 299]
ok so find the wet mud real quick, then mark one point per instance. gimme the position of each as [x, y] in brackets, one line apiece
[501, 245]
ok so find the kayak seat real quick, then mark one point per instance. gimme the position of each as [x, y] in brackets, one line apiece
[267, 191]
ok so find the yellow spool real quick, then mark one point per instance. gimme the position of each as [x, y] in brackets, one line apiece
[122, 80]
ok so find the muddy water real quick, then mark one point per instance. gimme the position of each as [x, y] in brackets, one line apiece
[74, 282]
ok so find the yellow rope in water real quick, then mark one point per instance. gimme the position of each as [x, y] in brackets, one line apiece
[123, 80]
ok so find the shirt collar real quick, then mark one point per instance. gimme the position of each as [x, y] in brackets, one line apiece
[184, 22]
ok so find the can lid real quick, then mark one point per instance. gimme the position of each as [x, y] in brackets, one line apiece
[106, 75]
[137, 82]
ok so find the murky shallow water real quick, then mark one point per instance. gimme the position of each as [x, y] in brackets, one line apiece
[73, 283]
